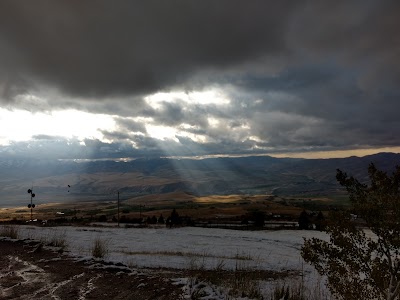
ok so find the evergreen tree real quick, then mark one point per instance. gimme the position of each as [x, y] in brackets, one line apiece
[174, 217]
[320, 222]
[304, 220]
[153, 220]
[161, 219]
[258, 218]
[102, 218]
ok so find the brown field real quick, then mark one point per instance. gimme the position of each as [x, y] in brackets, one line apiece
[210, 207]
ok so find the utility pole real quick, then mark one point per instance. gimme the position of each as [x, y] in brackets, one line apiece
[31, 205]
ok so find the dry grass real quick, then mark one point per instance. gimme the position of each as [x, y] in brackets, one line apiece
[219, 199]
[162, 199]
[190, 205]
[58, 239]
[243, 281]
[100, 248]
[294, 289]
[10, 231]
[237, 256]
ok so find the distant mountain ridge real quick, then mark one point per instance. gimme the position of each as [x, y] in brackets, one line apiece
[96, 180]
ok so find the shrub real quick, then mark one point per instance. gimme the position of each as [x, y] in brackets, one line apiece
[258, 218]
[100, 248]
[58, 239]
[294, 289]
[102, 218]
[241, 282]
[9, 231]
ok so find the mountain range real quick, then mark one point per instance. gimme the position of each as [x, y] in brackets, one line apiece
[70, 180]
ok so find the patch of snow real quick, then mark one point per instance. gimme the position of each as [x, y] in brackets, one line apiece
[30, 274]
[185, 247]
[85, 290]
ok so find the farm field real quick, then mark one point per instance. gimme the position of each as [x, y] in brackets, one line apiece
[203, 208]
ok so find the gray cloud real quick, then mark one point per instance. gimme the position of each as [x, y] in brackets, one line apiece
[103, 49]
[361, 35]
[171, 114]
[133, 47]
[299, 75]
[130, 125]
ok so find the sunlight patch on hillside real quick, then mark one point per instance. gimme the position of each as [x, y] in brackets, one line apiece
[219, 199]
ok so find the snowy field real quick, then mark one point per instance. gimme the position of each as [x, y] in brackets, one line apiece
[182, 247]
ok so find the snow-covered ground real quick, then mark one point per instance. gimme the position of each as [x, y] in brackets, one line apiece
[164, 247]
[181, 247]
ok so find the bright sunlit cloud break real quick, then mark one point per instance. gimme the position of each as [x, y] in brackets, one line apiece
[212, 96]
[22, 125]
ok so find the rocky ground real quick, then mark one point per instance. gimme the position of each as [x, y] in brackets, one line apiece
[30, 271]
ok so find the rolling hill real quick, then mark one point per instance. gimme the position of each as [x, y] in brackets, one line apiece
[97, 180]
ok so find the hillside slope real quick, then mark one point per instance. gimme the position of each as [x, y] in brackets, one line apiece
[97, 180]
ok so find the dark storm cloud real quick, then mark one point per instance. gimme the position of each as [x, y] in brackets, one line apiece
[362, 34]
[298, 75]
[100, 48]
[317, 106]
[103, 48]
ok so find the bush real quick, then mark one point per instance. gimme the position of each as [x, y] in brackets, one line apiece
[58, 239]
[160, 219]
[258, 218]
[102, 218]
[241, 282]
[99, 248]
[9, 231]
[295, 289]
[304, 220]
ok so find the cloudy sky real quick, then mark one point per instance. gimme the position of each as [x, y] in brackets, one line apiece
[99, 78]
